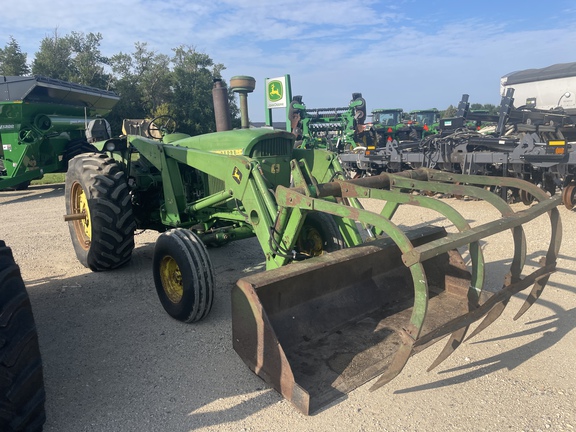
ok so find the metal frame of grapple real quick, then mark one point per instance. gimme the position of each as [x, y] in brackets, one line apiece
[268, 353]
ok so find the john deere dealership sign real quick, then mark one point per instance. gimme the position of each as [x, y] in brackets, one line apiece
[276, 92]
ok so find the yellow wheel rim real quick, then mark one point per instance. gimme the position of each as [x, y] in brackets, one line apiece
[79, 205]
[171, 277]
[310, 241]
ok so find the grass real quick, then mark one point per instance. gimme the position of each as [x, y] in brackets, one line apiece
[51, 178]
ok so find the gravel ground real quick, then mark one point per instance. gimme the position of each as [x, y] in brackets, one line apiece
[114, 361]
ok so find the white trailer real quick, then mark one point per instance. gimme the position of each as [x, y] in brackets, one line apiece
[546, 88]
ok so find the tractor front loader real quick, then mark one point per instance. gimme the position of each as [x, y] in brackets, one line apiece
[348, 294]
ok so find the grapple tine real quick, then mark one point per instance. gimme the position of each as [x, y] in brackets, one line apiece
[534, 295]
[454, 342]
[398, 362]
[492, 316]
[551, 256]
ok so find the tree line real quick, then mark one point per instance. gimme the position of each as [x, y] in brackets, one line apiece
[149, 83]
[490, 109]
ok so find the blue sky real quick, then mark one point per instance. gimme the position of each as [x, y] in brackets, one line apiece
[411, 54]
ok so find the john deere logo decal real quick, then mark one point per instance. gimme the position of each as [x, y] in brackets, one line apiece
[237, 175]
[275, 91]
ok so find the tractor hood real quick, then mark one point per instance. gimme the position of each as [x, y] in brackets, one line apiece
[241, 142]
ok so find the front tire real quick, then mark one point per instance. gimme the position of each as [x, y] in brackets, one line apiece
[97, 192]
[22, 392]
[319, 234]
[183, 275]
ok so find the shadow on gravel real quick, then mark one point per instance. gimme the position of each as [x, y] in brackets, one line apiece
[33, 193]
[550, 329]
[114, 360]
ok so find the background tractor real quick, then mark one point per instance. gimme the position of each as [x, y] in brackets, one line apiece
[426, 122]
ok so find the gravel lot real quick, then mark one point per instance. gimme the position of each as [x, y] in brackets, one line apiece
[114, 361]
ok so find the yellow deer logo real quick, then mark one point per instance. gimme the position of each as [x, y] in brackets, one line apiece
[237, 175]
[274, 91]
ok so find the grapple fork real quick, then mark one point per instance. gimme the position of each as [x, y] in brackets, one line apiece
[317, 329]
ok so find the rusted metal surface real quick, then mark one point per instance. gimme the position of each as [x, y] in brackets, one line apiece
[318, 329]
[315, 330]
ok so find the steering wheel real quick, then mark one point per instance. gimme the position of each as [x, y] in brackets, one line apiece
[160, 126]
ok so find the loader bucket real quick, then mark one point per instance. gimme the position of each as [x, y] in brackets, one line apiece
[317, 329]
[321, 328]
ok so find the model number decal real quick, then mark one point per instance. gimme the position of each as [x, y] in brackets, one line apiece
[233, 152]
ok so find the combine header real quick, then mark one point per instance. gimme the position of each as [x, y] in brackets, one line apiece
[332, 311]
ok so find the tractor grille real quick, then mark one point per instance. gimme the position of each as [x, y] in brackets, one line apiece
[272, 147]
[215, 185]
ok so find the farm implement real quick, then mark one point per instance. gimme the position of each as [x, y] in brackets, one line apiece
[348, 294]
[523, 142]
[44, 123]
[335, 129]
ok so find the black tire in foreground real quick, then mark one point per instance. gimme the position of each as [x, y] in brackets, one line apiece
[22, 393]
[97, 193]
[183, 275]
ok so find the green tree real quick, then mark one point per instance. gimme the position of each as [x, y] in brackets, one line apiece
[491, 108]
[143, 80]
[88, 64]
[154, 76]
[54, 59]
[449, 112]
[191, 104]
[13, 60]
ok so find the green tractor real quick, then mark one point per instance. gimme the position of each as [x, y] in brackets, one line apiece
[44, 123]
[425, 122]
[390, 125]
[347, 295]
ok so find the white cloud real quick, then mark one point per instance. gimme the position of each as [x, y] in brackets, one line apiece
[408, 54]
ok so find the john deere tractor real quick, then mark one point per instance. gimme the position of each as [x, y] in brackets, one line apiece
[426, 122]
[348, 294]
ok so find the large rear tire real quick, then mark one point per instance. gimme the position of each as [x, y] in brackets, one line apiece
[98, 192]
[183, 275]
[78, 147]
[22, 392]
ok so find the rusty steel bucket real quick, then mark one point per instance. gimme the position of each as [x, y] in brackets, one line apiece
[317, 329]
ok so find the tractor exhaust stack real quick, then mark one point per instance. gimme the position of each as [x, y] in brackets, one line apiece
[221, 106]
